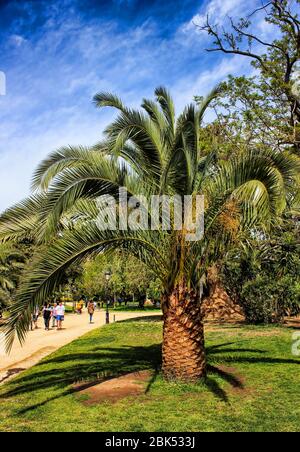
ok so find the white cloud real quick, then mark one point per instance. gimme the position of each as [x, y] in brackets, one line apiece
[48, 102]
[22, 154]
[17, 40]
[50, 83]
[188, 87]
[217, 10]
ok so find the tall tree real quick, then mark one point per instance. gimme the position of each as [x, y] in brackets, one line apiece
[263, 277]
[150, 152]
[272, 99]
[129, 277]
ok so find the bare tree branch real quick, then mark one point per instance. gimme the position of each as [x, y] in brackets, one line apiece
[255, 38]
[259, 9]
[220, 47]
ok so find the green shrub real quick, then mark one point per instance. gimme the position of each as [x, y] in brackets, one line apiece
[264, 278]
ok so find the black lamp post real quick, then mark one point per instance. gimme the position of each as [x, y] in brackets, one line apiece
[107, 278]
[73, 291]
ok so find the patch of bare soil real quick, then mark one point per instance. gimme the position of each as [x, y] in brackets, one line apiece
[133, 384]
[237, 382]
[250, 334]
[230, 328]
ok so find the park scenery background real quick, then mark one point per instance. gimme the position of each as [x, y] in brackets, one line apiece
[135, 328]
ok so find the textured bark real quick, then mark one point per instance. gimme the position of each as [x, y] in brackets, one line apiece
[217, 304]
[183, 342]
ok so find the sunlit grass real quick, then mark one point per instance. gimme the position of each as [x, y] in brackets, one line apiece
[253, 384]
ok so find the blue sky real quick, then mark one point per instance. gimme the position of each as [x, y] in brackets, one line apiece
[57, 54]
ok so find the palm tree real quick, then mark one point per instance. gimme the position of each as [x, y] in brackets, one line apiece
[10, 266]
[149, 152]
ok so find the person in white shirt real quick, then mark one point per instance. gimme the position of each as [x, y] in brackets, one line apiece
[60, 315]
[54, 315]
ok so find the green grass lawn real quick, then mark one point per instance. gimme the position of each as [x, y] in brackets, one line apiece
[253, 384]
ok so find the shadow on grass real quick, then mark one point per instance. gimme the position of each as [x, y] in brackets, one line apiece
[146, 318]
[55, 377]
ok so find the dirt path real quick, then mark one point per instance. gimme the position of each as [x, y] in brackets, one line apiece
[41, 343]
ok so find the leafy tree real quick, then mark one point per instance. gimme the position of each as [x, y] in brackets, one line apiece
[129, 277]
[263, 278]
[263, 109]
[150, 152]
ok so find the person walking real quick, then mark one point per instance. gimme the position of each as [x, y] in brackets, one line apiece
[47, 315]
[54, 315]
[91, 310]
[34, 318]
[78, 307]
[60, 315]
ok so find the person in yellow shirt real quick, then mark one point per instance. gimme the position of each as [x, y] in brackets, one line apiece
[79, 307]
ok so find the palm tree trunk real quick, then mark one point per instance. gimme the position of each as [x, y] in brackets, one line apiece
[183, 336]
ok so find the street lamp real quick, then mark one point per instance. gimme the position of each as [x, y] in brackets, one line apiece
[107, 278]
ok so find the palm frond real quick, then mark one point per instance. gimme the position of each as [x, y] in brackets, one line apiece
[94, 178]
[56, 162]
[105, 99]
[22, 219]
[47, 268]
[134, 127]
[167, 105]
[207, 100]
[147, 152]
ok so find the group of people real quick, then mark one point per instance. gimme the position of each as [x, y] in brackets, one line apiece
[56, 314]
